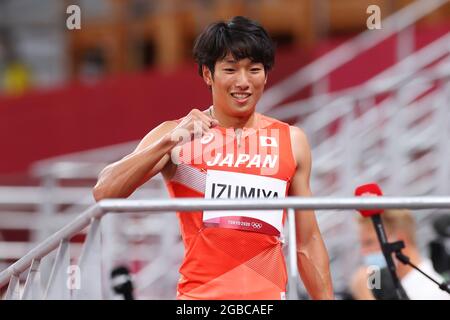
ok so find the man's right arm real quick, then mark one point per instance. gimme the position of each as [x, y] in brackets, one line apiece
[120, 179]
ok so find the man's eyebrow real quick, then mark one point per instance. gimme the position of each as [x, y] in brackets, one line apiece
[230, 61]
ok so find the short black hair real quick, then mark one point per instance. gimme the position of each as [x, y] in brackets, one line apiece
[241, 37]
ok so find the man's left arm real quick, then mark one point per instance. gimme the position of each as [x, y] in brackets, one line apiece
[312, 256]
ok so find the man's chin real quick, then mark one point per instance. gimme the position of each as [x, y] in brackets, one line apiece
[242, 109]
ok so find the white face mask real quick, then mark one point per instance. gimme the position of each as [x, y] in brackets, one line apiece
[375, 259]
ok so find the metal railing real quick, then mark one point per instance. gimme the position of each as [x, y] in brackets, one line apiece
[89, 264]
[65, 191]
[390, 78]
[316, 72]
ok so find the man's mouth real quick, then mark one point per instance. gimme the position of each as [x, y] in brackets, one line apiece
[241, 96]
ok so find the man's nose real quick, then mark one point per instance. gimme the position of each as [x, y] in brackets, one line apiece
[242, 81]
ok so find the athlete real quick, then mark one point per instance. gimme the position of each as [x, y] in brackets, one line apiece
[228, 150]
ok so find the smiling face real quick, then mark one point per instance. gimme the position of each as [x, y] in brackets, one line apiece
[236, 85]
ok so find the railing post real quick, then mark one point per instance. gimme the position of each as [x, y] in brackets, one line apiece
[90, 265]
[320, 87]
[350, 153]
[406, 41]
[47, 210]
[57, 287]
[112, 249]
[32, 289]
[395, 155]
[442, 114]
[293, 268]
[13, 291]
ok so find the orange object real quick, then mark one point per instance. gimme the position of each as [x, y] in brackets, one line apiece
[227, 262]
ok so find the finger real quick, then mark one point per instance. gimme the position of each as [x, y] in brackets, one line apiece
[197, 133]
[208, 121]
[205, 128]
[198, 129]
[205, 116]
[197, 123]
[194, 111]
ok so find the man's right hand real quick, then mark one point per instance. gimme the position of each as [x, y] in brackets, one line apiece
[194, 125]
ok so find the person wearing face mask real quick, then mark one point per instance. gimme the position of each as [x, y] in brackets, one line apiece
[399, 225]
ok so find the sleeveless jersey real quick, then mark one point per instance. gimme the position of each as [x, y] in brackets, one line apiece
[234, 254]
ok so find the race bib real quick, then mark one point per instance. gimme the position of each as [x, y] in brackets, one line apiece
[232, 185]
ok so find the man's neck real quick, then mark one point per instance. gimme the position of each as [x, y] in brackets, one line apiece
[228, 121]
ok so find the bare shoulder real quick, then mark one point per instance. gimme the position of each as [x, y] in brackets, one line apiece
[300, 145]
[298, 135]
[157, 133]
[302, 154]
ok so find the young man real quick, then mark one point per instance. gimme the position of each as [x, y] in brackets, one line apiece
[230, 151]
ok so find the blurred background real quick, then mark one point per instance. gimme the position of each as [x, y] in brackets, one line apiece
[375, 104]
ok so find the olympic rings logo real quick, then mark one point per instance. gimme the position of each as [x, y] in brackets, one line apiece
[256, 225]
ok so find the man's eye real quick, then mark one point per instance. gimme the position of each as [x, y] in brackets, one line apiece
[255, 69]
[229, 69]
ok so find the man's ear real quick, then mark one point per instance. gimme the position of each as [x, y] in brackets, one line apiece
[207, 76]
[265, 80]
